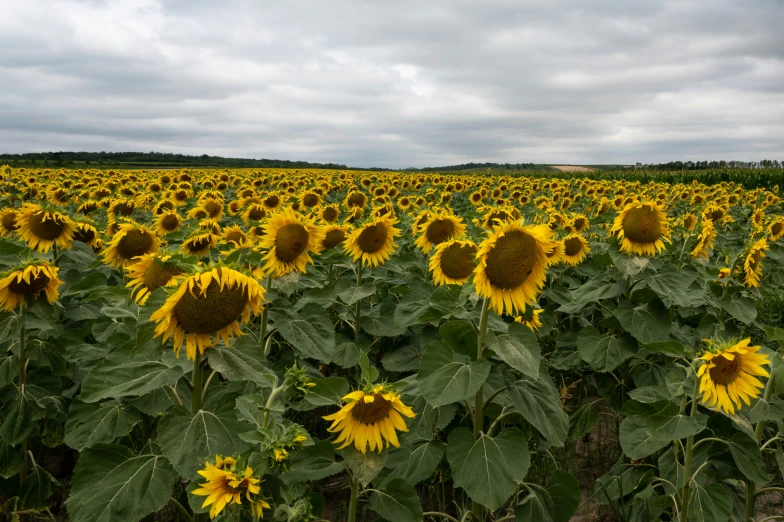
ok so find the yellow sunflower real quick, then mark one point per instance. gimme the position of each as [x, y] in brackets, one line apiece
[329, 213]
[289, 237]
[272, 201]
[131, 240]
[166, 222]
[355, 198]
[235, 236]
[575, 248]
[689, 221]
[8, 225]
[453, 262]
[373, 242]
[642, 228]
[532, 321]
[705, 240]
[441, 226]
[752, 265]
[150, 272]
[333, 235]
[199, 244]
[512, 262]
[29, 279]
[776, 230]
[213, 302]
[729, 375]
[254, 212]
[369, 418]
[41, 229]
[86, 233]
[226, 484]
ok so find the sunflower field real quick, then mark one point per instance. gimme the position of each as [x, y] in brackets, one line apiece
[237, 345]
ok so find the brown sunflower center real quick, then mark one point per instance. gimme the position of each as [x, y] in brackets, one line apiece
[124, 209]
[9, 221]
[642, 225]
[330, 214]
[84, 234]
[511, 260]
[272, 201]
[211, 312]
[357, 199]
[157, 275]
[36, 284]
[291, 241]
[44, 225]
[310, 200]
[458, 261]
[236, 237]
[180, 195]
[726, 371]
[573, 246]
[256, 213]
[439, 230]
[169, 222]
[213, 208]
[135, 243]
[372, 238]
[371, 412]
[775, 229]
[333, 238]
[165, 205]
[580, 223]
[197, 244]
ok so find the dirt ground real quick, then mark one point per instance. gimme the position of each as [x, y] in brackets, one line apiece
[572, 168]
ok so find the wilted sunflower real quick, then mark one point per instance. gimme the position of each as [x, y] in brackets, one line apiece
[752, 265]
[369, 417]
[29, 279]
[512, 262]
[86, 233]
[642, 228]
[166, 222]
[131, 240]
[531, 319]
[8, 224]
[441, 226]
[689, 221]
[729, 375]
[289, 237]
[235, 237]
[199, 244]
[41, 229]
[333, 235]
[254, 212]
[149, 273]
[213, 302]
[453, 262]
[575, 249]
[705, 240]
[373, 242]
[226, 485]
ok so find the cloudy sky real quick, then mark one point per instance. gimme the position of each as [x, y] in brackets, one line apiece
[395, 83]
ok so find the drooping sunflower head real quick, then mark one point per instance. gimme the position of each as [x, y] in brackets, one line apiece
[227, 483]
[729, 374]
[210, 303]
[41, 228]
[355, 198]
[8, 226]
[716, 213]
[213, 207]
[776, 230]
[199, 243]
[272, 201]
[453, 262]
[579, 223]
[752, 265]
[290, 238]
[689, 221]
[254, 212]
[235, 237]
[131, 240]
[310, 199]
[705, 240]
[642, 228]
[166, 222]
[531, 319]
[121, 208]
[370, 417]
[373, 242]
[150, 272]
[86, 233]
[575, 249]
[512, 263]
[29, 279]
[333, 235]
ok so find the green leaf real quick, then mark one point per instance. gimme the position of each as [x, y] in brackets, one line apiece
[536, 507]
[188, 440]
[397, 501]
[604, 354]
[93, 281]
[628, 264]
[582, 421]
[364, 466]
[489, 468]
[10, 460]
[741, 308]
[91, 424]
[354, 294]
[347, 351]
[327, 392]
[763, 410]
[313, 463]
[18, 423]
[673, 285]
[37, 488]
[540, 405]
[461, 336]
[636, 442]
[242, 362]
[380, 320]
[444, 380]
[310, 332]
[111, 483]
[748, 458]
[595, 289]
[9, 370]
[518, 348]
[412, 306]
[131, 377]
[565, 494]
[418, 462]
[711, 503]
[669, 425]
[648, 324]
[622, 480]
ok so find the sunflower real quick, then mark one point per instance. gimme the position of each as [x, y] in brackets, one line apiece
[166, 222]
[199, 244]
[373, 242]
[41, 229]
[368, 417]
[689, 221]
[512, 262]
[752, 265]
[575, 249]
[226, 485]
[729, 375]
[149, 273]
[272, 201]
[642, 228]
[453, 262]
[531, 320]
[355, 198]
[254, 212]
[705, 240]
[86, 233]
[235, 236]
[29, 279]
[441, 226]
[579, 223]
[329, 213]
[554, 256]
[776, 230]
[310, 199]
[289, 238]
[333, 235]
[213, 302]
[130, 241]
[8, 224]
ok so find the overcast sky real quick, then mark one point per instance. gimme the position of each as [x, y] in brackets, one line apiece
[397, 84]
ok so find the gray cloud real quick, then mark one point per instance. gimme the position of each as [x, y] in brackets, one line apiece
[397, 84]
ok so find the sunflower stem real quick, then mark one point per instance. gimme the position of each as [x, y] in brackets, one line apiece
[181, 510]
[687, 457]
[479, 401]
[55, 255]
[22, 375]
[196, 382]
[352, 507]
[751, 487]
[358, 307]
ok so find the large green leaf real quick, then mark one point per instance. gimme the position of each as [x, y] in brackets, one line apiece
[673, 285]
[188, 440]
[91, 424]
[418, 462]
[747, 456]
[461, 336]
[604, 354]
[37, 488]
[537, 506]
[711, 503]
[489, 468]
[595, 289]
[380, 319]
[112, 483]
[540, 404]
[636, 442]
[741, 308]
[412, 305]
[327, 392]
[582, 421]
[18, 423]
[11, 460]
[444, 380]
[364, 466]
[648, 324]
[668, 425]
[309, 332]
[242, 362]
[518, 348]
[565, 494]
[131, 377]
[398, 501]
[355, 293]
[313, 463]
